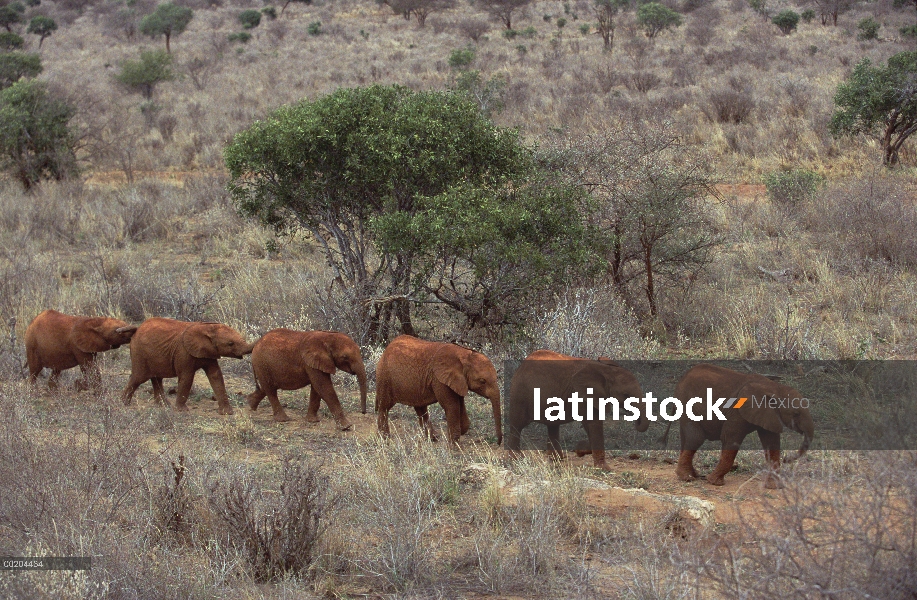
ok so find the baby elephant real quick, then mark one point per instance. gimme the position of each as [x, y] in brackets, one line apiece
[289, 360]
[167, 348]
[58, 342]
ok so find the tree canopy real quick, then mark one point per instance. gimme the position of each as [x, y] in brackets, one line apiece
[655, 18]
[154, 67]
[881, 101]
[42, 27]
[36, 141]
[16, 65]
[366, 170]
[168, 19]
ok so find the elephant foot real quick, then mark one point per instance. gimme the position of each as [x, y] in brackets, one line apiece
[772, 482]
[344, 424]
[310, 418]
[281, 417]
[602, 465]
[715, 479]
[80, 385]
[181, 407]
[686, 474]
[225, 410]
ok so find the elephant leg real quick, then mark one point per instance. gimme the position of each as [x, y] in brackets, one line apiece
[383, 405]
[132, 384]
[255, 398]
[453, 419]
[727, 459]
[280, 415]
[215, 376]
[159, 391]
[770, 441]
[53, 379]
[423, 417]
[685, 469]
[182, 390]
[597, 442]
[315, 402]
[325, 390]
[466, 422]
[555, 452]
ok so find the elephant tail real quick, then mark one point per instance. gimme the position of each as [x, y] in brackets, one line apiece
[664, 438]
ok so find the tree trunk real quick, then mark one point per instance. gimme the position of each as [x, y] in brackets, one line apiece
[650, 289]
[168, 49]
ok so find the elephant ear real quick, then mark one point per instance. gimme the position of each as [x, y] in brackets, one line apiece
[198, 341]
[449, 370]
[759, 416]
[88, 338]
[318, 356]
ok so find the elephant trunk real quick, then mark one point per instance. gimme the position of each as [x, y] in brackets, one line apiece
[498, 425]
[248, 349]
[360, 372]
[806, 427]
[643, 424]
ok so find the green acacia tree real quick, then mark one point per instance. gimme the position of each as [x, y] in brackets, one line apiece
[167, 20]
[787, 21]
[881, 101]
[36, 141]
[154, 67]
[655, 18]
[346, 166]
[11, 41]
[42, 27]
[250, 18]
[16, 65]
[490, 254]
[9, 16]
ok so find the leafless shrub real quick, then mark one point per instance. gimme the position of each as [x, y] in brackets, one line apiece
[798, 96]
[473, 28]
[884, 210]
[590, 324]
[200, 70]
[702, 28]
[173, 504]
[847, 537]
[642, 81]
[733, 104]
[277, 532]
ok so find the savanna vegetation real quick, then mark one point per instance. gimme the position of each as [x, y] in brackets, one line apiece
[688, 178]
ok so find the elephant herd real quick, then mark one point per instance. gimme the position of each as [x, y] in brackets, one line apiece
[410, 371]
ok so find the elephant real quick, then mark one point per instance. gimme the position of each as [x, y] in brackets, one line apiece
[559, 375]
[284, 359]
[419, 372]
[164, 348]
[58, 342]
[767, 421]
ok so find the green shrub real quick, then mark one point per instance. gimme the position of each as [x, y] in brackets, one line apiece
[270, 12]
[787, 21]
[314, 28]
[510, 33]
[808, 15]
[584, 29]
[529, 32]
[462, 58]
[242, 37]
[868, 29]
[561, 22]
[909, 31]
[11, 41]
[35, 136]
[792, 187]
[249, 18]
[16, 65]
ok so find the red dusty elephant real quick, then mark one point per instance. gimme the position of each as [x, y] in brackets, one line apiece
[57, 341]
[164, 348]
[766, 420]
[418, 373]
[284, 359]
